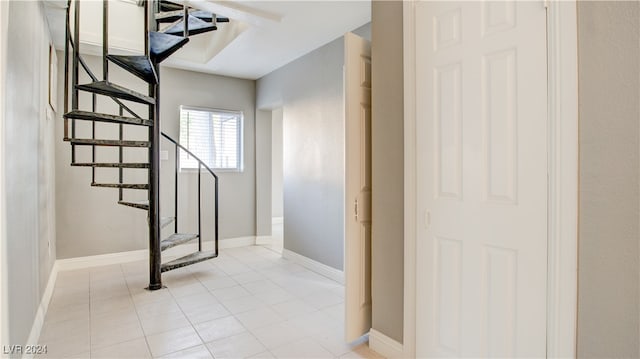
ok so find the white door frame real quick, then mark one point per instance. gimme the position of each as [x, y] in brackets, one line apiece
[562, 172]
[4, 33]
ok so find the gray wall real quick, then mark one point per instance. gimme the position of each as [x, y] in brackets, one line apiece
[89, 220]
[609, 77]
[29, 167]
[387, 128]
[310, 92]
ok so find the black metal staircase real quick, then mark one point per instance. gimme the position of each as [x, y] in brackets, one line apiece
[167, 28]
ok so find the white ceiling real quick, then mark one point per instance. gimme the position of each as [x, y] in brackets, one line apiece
[261, 37]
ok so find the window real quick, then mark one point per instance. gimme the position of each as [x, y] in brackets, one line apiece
[214, 136]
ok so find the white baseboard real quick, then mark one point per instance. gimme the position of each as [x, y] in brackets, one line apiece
[277, 220]
[142, 254]
[262, 240]
[101, 260]
[315, 266]
[41, 313]
[384, 345]
[237, 242]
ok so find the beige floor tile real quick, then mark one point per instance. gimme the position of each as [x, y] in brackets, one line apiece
[260, 286]
[248, 277]
[219, 283]
[230, 293]
[132, 349]
[63, 314]
[188, 289]
[293, 308]
[263, 355]
[248, 302]
[276, 335]
[243, 304]
[219, 328]
[322, 299]
[302, 349]
[196, 301]
[114, 333]
[274, 296]
[67, 346]
[173, 341]
[206, 313]
[198, 352]
[237, 346]
[155, 324]
[259, 317]
[362, 351]
[55, 331]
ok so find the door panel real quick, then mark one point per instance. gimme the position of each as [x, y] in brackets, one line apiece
[481, 179]
[357, 77]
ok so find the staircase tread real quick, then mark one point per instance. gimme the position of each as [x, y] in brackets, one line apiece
[138, 65]
[122, 185]
[112, 165]
[136, 204]
[163, 45]
[192, 258]
[103, 117]
[172, 16]
[90, 141]
[196, 26]
[107, 88]
[165, 221]
[168, 5]
[176, 239]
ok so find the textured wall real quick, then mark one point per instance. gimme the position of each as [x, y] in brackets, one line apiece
[609, 233]
[29, 167]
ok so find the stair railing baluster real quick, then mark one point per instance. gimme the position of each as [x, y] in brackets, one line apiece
[93, 136]
[67, 35]
[76, 55]
[215, 218]
[120, 153]
[146, 27]
[105, 74]
[199, 209]
[175, 204]
[185, 20]
[105, 39]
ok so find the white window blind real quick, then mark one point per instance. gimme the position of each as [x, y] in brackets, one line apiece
[214, 136]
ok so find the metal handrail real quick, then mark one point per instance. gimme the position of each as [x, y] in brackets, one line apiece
[201, 164]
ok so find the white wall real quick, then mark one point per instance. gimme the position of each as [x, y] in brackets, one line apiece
[29, 168]
[609, 229]
[90, 221]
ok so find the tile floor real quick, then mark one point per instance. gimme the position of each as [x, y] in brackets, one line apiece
[248, 302]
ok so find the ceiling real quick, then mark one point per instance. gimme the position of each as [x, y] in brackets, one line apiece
[261, 37]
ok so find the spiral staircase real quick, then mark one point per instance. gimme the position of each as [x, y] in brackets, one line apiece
[168, 27]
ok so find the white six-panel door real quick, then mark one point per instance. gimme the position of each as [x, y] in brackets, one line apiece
[481, 82]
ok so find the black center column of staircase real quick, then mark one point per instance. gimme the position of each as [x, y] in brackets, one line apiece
[155, 274]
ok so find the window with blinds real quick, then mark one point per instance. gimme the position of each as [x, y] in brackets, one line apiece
[214, 136]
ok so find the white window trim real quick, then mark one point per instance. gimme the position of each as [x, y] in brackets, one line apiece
[240, 167]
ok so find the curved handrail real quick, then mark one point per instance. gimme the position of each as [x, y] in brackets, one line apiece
[190, 154]
[215, 199]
